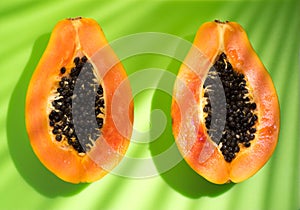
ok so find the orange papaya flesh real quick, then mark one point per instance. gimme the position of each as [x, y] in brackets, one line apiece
[71, 117]
[225, 109]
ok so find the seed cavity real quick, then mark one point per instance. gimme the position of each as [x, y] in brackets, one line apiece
[77, 111]
[239, 129]
[221, 22]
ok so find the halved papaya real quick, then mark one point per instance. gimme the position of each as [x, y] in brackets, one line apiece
[225, 109]
[79, 108]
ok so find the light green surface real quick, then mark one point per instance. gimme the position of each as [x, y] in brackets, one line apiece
[273, 29]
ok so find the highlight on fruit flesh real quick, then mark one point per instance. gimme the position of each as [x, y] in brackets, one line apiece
[225, 109]
[77, 98]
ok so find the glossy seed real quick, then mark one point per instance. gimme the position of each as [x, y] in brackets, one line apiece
[63, 70]
[253, 106]
[58, 137]
[84, 59]
[247, 144]
[252, 130]
[76, 60]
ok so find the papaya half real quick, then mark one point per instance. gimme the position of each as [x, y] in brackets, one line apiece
[225, 110]
[79, 107]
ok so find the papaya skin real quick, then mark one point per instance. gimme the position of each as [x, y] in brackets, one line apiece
[211, 39]
[71, 38]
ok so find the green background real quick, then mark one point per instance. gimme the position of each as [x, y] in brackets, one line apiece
[273, 29]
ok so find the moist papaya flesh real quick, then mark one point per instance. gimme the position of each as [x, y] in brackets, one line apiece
[225, 110]
[79, 107]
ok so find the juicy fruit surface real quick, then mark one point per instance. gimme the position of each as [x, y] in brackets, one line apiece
[239, 145]
[76, 143]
